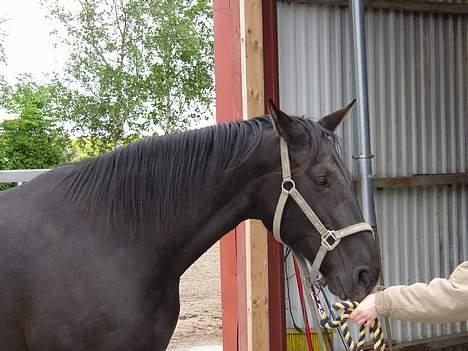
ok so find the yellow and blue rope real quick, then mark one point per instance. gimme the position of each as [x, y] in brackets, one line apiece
[346, 307]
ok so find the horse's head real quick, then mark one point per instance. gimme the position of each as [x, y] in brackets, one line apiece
[323, 181]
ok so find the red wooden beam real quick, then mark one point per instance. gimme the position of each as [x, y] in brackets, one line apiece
[275, 250]
[229, 108]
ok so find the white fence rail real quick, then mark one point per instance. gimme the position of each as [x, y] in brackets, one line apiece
[19, 176]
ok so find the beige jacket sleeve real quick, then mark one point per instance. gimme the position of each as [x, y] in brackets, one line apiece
[440, 301]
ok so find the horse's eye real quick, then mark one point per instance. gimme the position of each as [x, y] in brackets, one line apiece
[321, 181]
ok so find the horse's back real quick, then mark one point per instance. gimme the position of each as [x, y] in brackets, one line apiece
[32, 222]
[68, 284]
[16, 222]
[29, 215]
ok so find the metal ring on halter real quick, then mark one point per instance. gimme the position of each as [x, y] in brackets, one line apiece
[288, 181]
[331, 234]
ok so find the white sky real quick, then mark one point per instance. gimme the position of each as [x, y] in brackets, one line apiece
[29, 47]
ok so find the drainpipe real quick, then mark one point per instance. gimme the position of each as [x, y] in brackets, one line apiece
[364, 155]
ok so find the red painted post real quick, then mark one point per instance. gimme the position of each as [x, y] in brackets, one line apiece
[275, 250]
[229, 108]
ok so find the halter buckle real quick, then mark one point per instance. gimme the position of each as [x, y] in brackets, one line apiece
[329, 240]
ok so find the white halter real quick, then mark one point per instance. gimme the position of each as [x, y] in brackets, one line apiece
[330, 238]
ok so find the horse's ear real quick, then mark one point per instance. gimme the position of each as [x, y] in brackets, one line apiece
[284, 125]
[332, 120]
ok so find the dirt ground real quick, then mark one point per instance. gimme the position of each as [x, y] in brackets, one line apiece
[200, 297]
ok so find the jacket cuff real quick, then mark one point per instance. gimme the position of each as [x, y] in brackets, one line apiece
[381, 304]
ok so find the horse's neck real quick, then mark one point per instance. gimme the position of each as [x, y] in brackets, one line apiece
[232, 204]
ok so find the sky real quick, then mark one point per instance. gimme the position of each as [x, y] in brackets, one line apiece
[29, 47]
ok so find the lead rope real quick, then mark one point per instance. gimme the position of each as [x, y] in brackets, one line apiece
[346, 307]
[340, 322]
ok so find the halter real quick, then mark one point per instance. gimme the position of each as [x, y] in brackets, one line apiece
[330, 238]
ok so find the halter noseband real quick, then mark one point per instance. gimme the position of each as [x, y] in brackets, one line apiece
[330, 238]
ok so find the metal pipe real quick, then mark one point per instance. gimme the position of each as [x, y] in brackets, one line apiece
[364, 156]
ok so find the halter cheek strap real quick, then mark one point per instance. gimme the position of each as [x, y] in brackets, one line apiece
[329, 238]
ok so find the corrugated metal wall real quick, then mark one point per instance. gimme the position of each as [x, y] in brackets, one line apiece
[450, 1]
[418, 95]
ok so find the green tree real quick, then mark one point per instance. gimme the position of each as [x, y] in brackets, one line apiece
[180, 47]
[34, 139]
[136, 66]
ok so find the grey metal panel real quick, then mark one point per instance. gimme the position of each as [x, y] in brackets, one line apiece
[418, 82]
[450, 1]
[316, 70]
[418, 94]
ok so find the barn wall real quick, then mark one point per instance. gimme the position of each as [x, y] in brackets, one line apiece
[418, 96]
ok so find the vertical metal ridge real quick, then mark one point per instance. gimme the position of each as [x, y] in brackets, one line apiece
[413, 130]
[402, 75]
[451, 95]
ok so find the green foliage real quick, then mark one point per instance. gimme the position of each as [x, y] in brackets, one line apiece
[84, 147]
[180, 84]
[137, 66]
[34, 139]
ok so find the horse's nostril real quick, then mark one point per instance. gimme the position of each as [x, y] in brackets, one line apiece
[362, 276]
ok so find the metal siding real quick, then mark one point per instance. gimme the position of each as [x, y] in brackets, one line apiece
[450, 1]
[418, 95]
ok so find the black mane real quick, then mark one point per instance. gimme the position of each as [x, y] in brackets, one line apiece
[164, 168]
[163, 177]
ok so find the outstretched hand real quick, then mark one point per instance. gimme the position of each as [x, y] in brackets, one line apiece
[366, 312]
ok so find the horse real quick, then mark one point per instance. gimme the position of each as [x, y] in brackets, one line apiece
[92, 252]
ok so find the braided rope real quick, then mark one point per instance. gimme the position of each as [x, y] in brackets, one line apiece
[346, 307]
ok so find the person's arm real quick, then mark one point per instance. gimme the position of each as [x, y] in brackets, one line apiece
[440, 301]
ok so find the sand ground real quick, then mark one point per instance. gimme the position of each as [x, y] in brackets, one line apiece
[200, 298]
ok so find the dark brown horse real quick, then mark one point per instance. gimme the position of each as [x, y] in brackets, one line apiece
[91, 253]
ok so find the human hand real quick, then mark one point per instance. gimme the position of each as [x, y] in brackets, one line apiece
[366, 312]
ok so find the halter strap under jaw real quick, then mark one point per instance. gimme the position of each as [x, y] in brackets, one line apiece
[329, 238]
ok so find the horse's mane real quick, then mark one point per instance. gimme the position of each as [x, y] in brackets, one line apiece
[163, 168]
[162, 178]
